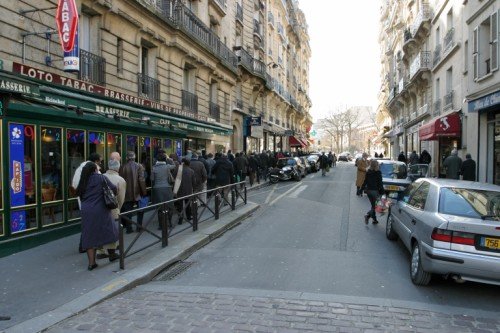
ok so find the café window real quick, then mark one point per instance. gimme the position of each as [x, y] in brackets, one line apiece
[145, 157]
[114, 142]
[156, 144]
[22, 180]
[2, 229]
[132, 143]
[76, 154]
[51, 159]
[96, 145]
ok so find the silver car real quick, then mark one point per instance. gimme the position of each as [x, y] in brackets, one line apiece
[451, 228]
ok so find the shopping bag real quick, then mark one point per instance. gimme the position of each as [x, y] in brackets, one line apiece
[382, 204]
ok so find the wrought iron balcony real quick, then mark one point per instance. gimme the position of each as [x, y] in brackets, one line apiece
[448, 101]
[245, 59]
[436, 107]
[421, 62]
[259, 68]
[239, 13]
[436, 55]
[280, 29]
[189, 101]
[448, 40]
[148, 87]
[214, 111]
[424, 109]
[92, 68]
[425, 14]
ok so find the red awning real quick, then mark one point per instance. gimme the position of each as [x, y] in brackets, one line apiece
[445, 126]
[294, 142]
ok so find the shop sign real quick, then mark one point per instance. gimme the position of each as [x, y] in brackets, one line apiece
[178, 148]
[16, 175]
[109, 110]
[254, 121]
[67, 26]
[18, 87]
[484, 102]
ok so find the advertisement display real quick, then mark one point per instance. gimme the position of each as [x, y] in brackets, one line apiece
[178, 147]
[16, 176]
[67, 26]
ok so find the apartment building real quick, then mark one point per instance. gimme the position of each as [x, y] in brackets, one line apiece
[208, 75]
[433, 100]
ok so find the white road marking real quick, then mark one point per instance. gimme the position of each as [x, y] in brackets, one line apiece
[296, 193]
[270, 194]
[282, 195]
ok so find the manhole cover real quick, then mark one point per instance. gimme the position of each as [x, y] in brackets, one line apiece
[173, 271]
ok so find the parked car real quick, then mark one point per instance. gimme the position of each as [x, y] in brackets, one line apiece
[451, 227]
[345, 156]
[314, 162]
[307, 165]
[396, 176]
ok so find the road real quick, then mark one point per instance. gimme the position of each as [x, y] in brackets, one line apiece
[306, 248]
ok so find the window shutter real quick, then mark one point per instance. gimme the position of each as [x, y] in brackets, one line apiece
[475, 56]
[494, 41]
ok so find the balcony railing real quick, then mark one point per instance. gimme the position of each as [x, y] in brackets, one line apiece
[189, 101]
[421, 62]
[259, 68]
[148, 87]
[270, 18]
[436, 55]
[214, 111]
[448, 40]
[245, 59]
[257, 28]
[239, 13]
[436, 109]
[239, 104]
[92, 68]
[423, 15]
[423, 109]
[448, 101]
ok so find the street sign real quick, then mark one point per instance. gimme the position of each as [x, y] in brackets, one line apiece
[254, 121]
[67, 23]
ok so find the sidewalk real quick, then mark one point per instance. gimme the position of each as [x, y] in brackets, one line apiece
[50, 283]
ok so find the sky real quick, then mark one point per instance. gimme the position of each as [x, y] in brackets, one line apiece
[345, 63]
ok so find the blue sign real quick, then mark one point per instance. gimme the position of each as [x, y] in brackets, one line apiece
[254, 121]
[16, 176]
[484, 102]
[71, 60]
[178, 147]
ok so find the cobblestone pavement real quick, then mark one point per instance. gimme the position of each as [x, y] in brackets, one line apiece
[153, 311]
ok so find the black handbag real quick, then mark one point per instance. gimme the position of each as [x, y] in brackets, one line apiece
[110, 199]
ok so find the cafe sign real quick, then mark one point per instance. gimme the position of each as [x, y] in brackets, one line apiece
[17, 87]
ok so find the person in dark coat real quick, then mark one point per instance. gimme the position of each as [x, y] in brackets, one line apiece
[240, 165]
[253, 168]
[414, 159]
[161, 187]
[264, 163]
[323, 163]
[425, 157]
[453, 165]
[98, 226]
[224, 172]
[200, 177]
[373, 187]
[468, 170]
[184, 185]
[133, 173]
[402, 157]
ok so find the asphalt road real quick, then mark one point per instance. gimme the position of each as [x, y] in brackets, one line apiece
[310, 236]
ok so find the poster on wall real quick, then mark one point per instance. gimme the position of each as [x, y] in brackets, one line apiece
[178, 147]
[16, 176]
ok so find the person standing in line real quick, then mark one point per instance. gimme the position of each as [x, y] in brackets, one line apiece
[210, 174]
[253, 167]
[133, 173]
[402, 157]
[425, 157]
[200, 177]
[161, 175]
[334, 158]
[323, 163]
[264, 162]
[224, 171]
[453, 165]
[230, 156]
[240, 166]
[414, 159]
[362, 166]
[98, 228]
[468, 169]
[374, 188]
[109, 250]
[183, 186]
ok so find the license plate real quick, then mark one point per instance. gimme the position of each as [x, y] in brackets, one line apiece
[392, 188]
[491, 243]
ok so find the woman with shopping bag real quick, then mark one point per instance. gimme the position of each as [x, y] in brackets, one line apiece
[374, 188]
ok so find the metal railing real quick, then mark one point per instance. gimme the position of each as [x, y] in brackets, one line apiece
[259, 68]
[448, 101]
[407, 35]
[92, 68]
[239, 13]
[436, 109]
[193, 209]
[148, 87]
[423, 15]
[214, 111]
[448, 40]
[245, 59]
[189, 101]
[436, 56]
[421, 62]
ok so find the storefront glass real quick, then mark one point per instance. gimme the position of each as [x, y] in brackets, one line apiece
[51, 158]
[96, 145]
[145, 157]
[168, 146]
[114, 143]
[2, 229]
[22, 167]
[132, 143]
[76, 154]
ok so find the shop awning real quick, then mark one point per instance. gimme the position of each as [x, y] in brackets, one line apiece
[444, 126]
[295, 142]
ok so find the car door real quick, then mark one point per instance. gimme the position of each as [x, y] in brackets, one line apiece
[412, 212]
[397, 210]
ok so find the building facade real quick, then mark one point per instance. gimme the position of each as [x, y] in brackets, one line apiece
[153, 74]
[438, 68]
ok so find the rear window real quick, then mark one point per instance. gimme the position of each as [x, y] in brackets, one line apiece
[470, 203]
[393, 170]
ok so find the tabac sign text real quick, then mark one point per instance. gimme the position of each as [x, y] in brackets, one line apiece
[67, 25]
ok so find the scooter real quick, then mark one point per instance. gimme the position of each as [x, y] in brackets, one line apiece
[286, 173]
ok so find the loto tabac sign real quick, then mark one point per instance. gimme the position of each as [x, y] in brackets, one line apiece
[67, 23]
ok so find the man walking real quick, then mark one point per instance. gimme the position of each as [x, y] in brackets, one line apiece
[453, 165]
[468, 170]
[224, 171]
[133, 173]
[323, 163]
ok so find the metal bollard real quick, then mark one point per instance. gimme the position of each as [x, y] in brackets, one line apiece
[217, 204]
[164, 225]
[194, 213]
[121, 246]
[233, 198]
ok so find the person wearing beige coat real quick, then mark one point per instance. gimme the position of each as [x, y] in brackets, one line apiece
[362, 165]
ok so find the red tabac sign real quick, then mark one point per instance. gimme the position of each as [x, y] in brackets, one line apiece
[67, 23]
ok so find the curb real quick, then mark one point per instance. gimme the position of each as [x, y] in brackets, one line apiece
[179, 249]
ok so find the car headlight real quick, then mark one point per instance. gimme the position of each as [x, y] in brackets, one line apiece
[281, 171]
[287, 169]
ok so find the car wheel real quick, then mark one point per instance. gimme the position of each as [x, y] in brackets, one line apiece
[418, 275]
[389, 231]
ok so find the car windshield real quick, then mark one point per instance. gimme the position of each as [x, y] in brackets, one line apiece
[312, 158]
[393, 170]
[284, 162]
[470, 203]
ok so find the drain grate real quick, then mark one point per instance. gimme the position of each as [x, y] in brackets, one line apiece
[173, 271]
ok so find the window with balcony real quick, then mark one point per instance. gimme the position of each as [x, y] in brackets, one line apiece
[485, 47]
[189, 98]
[148, 86]
[92, 66]
[214, 108]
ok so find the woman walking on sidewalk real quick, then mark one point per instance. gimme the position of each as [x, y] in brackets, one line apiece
[98, 228]
[373, 187]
